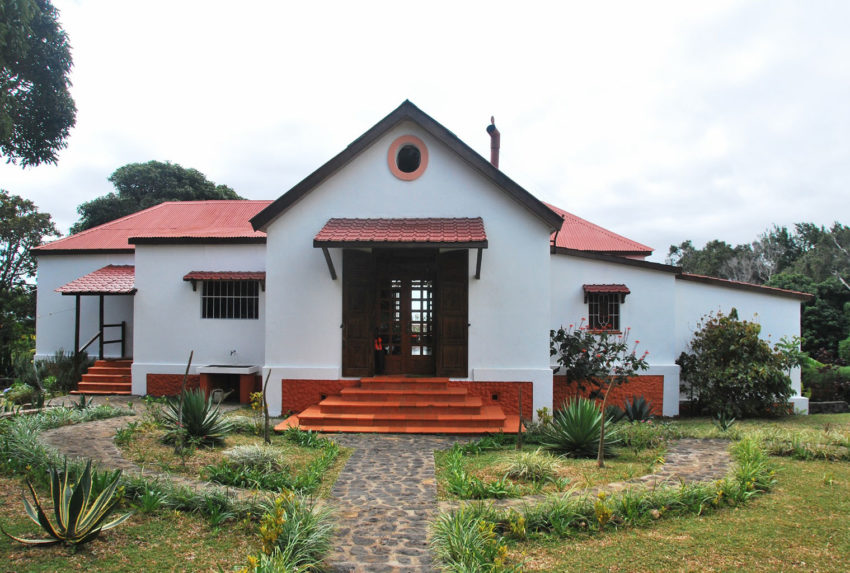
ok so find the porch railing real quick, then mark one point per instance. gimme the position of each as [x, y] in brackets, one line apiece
[100, 335]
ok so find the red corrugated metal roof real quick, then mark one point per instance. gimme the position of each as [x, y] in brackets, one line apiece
[111, 279]
[194, 219]
[581, 235]
[618, 289]
[225, 276]
[430, 230]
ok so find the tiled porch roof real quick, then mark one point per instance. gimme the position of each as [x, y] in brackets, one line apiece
[606, 289]
[467, 232]
[225, 276]
[111, 279]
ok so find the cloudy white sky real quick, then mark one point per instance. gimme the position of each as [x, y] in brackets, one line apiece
[662, 121]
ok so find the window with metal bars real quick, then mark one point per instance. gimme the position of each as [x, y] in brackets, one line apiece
[603, 311]
[230, 299]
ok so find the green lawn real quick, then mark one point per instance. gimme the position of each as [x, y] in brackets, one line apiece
[803, 524]
[165, 540]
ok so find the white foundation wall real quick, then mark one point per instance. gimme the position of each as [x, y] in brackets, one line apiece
[508, 306]
[647, 311]
[168, 312]
[778, 316]
[54, 322]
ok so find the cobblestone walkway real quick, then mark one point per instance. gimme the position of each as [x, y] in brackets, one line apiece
[385, 496]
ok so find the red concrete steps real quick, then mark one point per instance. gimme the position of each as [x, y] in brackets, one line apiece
[404, 405]
[106, 377]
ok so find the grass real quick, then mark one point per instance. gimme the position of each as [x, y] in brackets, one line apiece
[800, 525]
[145, 447]
[173, 541]
[581, 473]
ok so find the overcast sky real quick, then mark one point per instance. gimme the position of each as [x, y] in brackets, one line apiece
[662, 121]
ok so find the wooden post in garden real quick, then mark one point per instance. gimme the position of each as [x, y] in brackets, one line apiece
[178, 443]
[266, 437]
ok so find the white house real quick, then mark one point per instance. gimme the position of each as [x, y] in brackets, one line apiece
[407, 255]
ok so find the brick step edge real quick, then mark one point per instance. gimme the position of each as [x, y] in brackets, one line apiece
[102, 392]
[511, 425]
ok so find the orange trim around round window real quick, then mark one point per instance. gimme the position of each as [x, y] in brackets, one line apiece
[392, 157]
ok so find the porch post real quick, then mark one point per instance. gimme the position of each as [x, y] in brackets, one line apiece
[100, 341]
[77, 326]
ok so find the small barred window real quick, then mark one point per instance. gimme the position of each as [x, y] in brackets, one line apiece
[603, 311]
[230, 299]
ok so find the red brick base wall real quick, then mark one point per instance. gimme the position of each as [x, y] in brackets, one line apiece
[506, 395]
[169, 384]
[650, 387]
[299, 395]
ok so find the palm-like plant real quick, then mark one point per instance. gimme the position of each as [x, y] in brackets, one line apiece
[575, 428]
[201, 418]
[79, 515]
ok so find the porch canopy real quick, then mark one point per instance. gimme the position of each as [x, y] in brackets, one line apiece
[466, 233]
[109, 280]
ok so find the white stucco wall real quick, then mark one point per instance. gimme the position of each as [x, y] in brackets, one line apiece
[778, 315]
[508, 307]
[648, 311]
[168, 312]
[55, 313]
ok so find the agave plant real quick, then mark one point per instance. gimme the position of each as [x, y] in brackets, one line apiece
[638, 409]
[79, 515]
[201, 419]
[575, 428]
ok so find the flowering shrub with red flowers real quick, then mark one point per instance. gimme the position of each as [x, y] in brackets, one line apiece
[595, 359]
[601, 359]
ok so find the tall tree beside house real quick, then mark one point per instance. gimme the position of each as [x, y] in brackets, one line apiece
[143, 185]
[22, 227]
[36, 108]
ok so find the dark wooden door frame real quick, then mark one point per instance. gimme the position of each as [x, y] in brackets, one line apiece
[360, 312]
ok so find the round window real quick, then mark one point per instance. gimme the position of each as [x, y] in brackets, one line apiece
[407, 157]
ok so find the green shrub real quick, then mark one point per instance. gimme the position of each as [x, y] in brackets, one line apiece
[729, 368]
[533, 466]
[464, 541]
[844, 350]
[296, 531]
[639, 436]
[254, 456]
[575, 430]
[20, 393]
[202, 419]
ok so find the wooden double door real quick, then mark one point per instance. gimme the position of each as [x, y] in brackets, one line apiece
[405, 312]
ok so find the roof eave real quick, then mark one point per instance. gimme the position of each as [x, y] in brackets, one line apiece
[398, 244]
[126, 251]
[617, 259]
[406, 111]
[762, 289]
[196, 240]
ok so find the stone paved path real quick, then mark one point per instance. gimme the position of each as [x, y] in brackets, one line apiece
[385, 496]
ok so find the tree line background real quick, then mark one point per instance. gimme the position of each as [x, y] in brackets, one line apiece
[808, 258]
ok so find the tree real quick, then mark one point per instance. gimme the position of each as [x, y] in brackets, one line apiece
[22, 227]
[36, 108]
[604, 359]
[730, 370]
[707, 261]
[143, 185]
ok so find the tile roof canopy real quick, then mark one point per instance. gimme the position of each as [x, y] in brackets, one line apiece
[111, 279]
[605, 289]
[225, 276]
[408, 112]
[175, 221]
[581, 235]
[415, 232]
